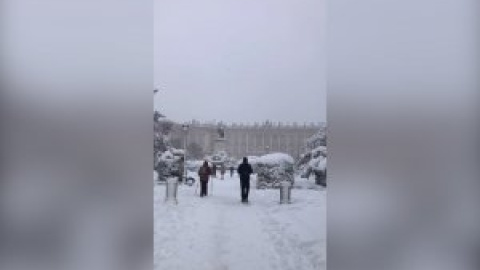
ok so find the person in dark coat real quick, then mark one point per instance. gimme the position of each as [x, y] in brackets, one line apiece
[245, 170]
[222, 171]
[214, 171]
[204, 173]
[181, 170]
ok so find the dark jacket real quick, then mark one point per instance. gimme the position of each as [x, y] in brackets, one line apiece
[204, 173]
[244, 170]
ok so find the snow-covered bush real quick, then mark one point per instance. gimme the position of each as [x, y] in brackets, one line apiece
[169, 164]
[272, 169]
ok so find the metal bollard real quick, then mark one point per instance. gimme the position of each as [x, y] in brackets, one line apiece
[285, 192]
[171, 190]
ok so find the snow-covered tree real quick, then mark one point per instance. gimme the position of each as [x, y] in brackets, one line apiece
[168, 161]
[318, 139]
[176, 142]
[314, 161]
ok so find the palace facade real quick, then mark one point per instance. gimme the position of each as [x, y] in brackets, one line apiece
[249, 139]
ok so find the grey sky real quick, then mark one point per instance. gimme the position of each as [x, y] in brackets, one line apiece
[241, 61]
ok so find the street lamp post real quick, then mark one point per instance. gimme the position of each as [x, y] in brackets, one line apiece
[185, 129]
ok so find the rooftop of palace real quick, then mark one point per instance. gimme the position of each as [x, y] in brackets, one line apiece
[254, 125]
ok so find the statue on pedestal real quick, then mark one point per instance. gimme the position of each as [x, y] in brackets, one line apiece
[220, 143]
[221, 132]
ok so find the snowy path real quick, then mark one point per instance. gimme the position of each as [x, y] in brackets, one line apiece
[220, 233]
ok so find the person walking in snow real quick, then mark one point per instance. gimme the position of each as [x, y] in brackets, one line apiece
[222, 171]
[232, 169]
[214, 171]
[245, 170]
[181, 170]
[204, 173]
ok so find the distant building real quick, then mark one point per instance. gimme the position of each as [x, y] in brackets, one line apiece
[251, 139]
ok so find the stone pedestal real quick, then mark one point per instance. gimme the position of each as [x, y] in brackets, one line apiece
[219, 145]
[171, 190]
[285, 192]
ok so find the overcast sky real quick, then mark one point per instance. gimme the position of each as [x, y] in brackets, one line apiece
[241, 61]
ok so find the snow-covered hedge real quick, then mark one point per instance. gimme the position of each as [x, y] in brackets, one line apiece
[272, 169]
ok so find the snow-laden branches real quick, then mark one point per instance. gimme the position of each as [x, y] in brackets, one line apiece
[314, 161]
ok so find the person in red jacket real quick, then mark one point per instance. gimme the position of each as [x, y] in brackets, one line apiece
[204, 173]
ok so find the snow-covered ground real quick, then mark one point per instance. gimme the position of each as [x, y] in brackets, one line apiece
[219, 233]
